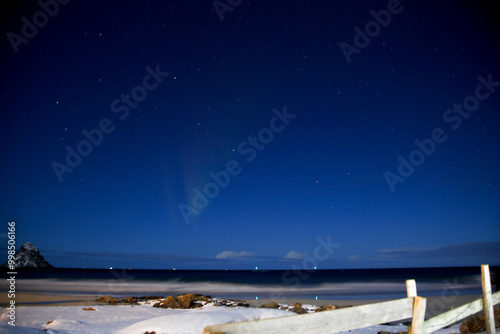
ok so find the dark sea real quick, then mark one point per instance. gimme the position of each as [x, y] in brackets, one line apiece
[247, 284]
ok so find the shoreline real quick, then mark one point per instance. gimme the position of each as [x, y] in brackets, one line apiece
[435, 305]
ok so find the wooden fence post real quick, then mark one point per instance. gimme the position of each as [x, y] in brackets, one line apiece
[417, 323]
[487, 302]
[411, 288]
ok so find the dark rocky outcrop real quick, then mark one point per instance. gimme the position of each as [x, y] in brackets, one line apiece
[29, 257]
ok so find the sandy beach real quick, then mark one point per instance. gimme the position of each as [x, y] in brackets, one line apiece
[35, 299]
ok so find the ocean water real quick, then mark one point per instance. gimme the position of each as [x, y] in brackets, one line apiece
[245, 284]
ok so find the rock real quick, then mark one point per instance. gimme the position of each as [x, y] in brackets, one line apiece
[270, 305]
[476, 323]
[202, 298]
[185, 300]
[108, 299]
[88, 309]
[190, 301]
[169, 302]
[284, 308]
[129, 300]
[297, 308]
[327, 307]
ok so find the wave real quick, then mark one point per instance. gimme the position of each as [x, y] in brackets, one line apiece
[339, 290]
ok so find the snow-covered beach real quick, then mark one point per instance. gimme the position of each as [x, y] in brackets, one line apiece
[94, 317]
[144, 318]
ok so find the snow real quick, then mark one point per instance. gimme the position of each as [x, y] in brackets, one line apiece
[28, 246]
[128, 319]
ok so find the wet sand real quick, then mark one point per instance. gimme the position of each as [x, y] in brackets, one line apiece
[32, 299]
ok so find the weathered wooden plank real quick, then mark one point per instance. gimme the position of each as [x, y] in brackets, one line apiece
[417, 323]
[489, 318]
[324, 322]
[495, 298]
[455, 315]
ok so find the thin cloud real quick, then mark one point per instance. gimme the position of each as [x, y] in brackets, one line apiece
[471, 249]
[232, 254]
[295, 255]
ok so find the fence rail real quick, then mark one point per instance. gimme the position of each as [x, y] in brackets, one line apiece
[351, 318]
[453, 316]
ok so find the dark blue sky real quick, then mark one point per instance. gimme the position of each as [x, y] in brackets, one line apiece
[309, 127]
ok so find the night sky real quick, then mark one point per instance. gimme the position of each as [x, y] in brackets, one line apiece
[235, 134]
